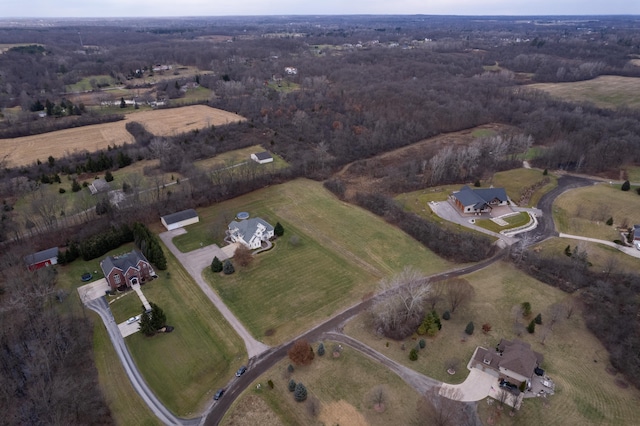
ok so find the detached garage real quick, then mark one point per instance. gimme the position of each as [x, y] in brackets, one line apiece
[180, 219]
[262, 157]
[42, 258]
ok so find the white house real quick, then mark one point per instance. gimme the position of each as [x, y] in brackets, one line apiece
[180, 219]
[250, 233]
[262, 157]
[291, 70]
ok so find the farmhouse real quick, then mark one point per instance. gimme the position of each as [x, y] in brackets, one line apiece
[262, 157]
[250, 233]
[42, 258]
[127, 270]
[514, 361]
[180, 219]
[479, 200]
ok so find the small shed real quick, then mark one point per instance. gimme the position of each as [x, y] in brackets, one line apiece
[180, 219]
[42, 258]
[99, 185]
[262, 157]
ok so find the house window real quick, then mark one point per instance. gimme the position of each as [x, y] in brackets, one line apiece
[116, 278]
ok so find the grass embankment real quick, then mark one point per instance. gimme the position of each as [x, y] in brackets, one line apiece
[343, 386]
[606, 91]
[183, 367]
[584, 211]
[513, 221]
[585, 394]
[516, 181]
[332, 254]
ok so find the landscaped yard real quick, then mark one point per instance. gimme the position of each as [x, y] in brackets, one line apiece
[514, 221]
[516, 181]
[585, 394]
[340, 254]
[343, 386]
[183, 367]
[584, 211]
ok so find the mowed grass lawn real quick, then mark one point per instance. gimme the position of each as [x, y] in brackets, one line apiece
[513, 221]
[516, 181]
[341, 253]
[585, 393]
[343, 386]
[183, 367]
[584, 211]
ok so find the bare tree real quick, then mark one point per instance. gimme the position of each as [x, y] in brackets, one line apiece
[442, 408]
[313, 406]
[502, 395]
[379, 398]
[555, 314]
[436, 295]
[399, 308]
[458, 292]
[243, 255]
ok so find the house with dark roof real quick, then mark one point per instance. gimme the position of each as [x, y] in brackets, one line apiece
[99, 185]
[479, 200]
[127, 269]
[262, 157]
[250, 233]
[42, 259]
[180, 219]
[513, 360]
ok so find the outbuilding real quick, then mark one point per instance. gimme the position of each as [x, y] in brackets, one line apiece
[262, 157]
[42, 258]
[180, 219]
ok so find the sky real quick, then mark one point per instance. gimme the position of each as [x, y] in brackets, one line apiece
[148, 8]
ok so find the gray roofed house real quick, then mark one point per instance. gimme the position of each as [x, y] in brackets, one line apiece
[180, 219]
[262, 157]
[479, 200]
[251, 232]
[514, 360]
[42, 258]
[99, 185]
[127, 269]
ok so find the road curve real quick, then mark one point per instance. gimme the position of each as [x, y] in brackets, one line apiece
[101, 307]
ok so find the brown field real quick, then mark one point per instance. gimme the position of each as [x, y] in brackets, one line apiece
[606, 91]
[165, 122]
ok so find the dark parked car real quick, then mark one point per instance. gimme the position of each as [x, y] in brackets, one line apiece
[218, 394]
[539, 371]
[508, 385]
[86, 277]
[241, 371]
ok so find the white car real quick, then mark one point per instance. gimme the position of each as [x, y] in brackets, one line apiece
[133, 319]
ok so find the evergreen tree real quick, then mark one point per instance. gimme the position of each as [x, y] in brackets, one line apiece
[300, 392]
[158, 317]
[469, 328]
[278, 230]
[531, 328]
[75, 186]
[626, 186]
[292, 385]
[108, 176]
[216, 265]
[123, 104]
[526, 309]
[321, 349]
[538, 319]
[146, 325]
[228, 268]
[446, 316]
[413, 354]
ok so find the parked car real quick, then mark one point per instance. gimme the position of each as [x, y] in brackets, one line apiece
[241, 371]
[86, 277]
[508, 385]
[218, 394]
[133, 319]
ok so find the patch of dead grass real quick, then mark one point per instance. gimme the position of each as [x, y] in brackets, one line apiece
[607, 91]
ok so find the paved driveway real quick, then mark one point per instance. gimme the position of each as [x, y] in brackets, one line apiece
[476, 387]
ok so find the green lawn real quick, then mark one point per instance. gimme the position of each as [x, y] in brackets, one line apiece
[516, 181]
[573, 357]
[342, 253]
[514, 221]
[85, 83]
[343, 386]
[584, 211]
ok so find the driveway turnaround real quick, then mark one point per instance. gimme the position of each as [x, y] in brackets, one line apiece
[476, 387]
[195, 262]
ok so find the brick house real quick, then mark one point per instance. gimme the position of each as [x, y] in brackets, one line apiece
[127, 269]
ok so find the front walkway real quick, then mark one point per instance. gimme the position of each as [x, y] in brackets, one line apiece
[143, 298]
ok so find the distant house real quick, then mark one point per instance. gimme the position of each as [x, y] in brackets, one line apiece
[42, 258]
[250, 233]
[127, 270]
[262, 157]
[99, 185]
[514, 361]
[180, 219]
[291, 70]
[479, 200]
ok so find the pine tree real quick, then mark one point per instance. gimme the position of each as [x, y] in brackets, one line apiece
[531, 328]
[228, 268]
[216, 265]
[158, 317]
[626, 186]
[146, 325]
[321, 349]
[538, 319]
[300, 393]
[292, 385]
[469, 328]
[278, 230]
[108, 176]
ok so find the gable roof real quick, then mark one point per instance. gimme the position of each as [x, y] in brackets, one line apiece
[179, 216]
[246, 228]
[518, 357]
[41, 256]
[478, 197]
[263, 155]
[122, 262]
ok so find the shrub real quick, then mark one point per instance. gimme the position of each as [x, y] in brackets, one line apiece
[243, 255]
[546, 172]
[567, 251]
[301, 353]
[75, 186]
[422, 343]
[531, 328]
[108, 176]
[292, 385]
[626, 186]
[278, 230]
[300, 392]
[228, 268]
[446, 316]
[477, 183]
[526, 309]
[469, 328]
[486, 328]
[538, 319]
[321, 349]
[216, 265]
[62, 190]
[638, 190]
[413, 354]
[610, 221]
[290, 368]
[270, 383]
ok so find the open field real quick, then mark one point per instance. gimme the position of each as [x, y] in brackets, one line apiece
[166, 122]
[342, 385]
[210, 351]
[340, 254]
[584, 211]
[606, 91]
[586, 394]
[600, 256]
[516, 181]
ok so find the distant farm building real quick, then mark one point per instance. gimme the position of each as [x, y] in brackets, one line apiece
[262, 157]
[42, 258]
[180, 219]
